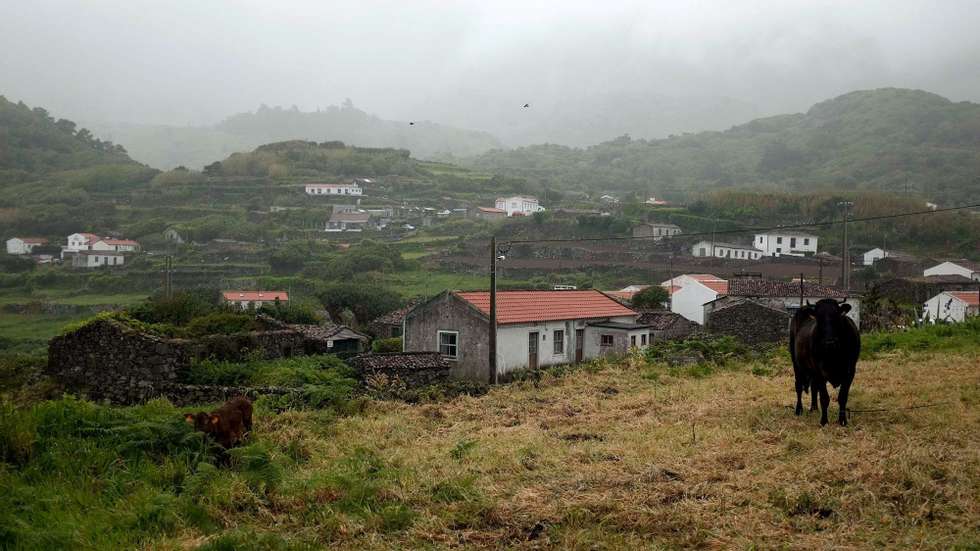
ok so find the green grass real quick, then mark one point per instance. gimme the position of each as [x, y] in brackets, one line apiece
[426, 283]
[30, 333]
[71, 296]
[944, 337]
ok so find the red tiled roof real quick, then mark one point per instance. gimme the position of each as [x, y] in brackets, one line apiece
[90, 237]
[711, 281]
[254, 296]
[972, 298]
[531, 306]
[329, 185]
[108, 241]
[34, 240]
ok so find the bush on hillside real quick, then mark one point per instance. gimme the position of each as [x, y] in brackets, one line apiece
[653, 297]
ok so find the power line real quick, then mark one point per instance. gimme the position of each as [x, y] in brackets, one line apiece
[747, 230]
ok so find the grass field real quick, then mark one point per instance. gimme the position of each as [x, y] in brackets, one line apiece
[71, 296]
[619, 456]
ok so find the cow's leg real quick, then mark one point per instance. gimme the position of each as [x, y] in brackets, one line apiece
[799, 396]
[824, 401]
[813, 395]
[842, 402]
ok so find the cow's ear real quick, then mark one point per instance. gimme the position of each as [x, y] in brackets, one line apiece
[215, 418]
[189, 417]
[845, 308]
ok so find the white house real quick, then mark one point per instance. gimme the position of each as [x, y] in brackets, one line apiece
[534, 329]
[244, 299]
[24, 245]
[951, 306]
[118, 245]
[334, 189]
[96, 259]
[965, 268]
[519, 205]
[725, 250]
[690, 292]
[874, 255]
[348, 221]
[81, 241]
[785, 242]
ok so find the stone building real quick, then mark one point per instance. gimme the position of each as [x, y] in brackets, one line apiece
[666, 325]
[749, 321]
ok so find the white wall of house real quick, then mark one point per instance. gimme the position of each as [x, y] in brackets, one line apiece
[102, 245]
[338, 189]
[78, 242]
[98, 260]
[703, 248]
[244, 304]
[690, 299]
[874, 255]
[518, 204]
[785, 243]
[951, 268]
[947, 307]
[16, 245]
[513, 346]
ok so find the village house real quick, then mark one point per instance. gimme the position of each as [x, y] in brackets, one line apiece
[117, 245]
[489, 213]
[24, 245]
[653, 201]
[725, 250]
[519, 205]
[96, 259]
[665, 325]
[951, 306]
[626, 294]
[348, 221]
[254, 299]
[655, 230]
[965, 268]
[690, 292]
[350, 189]
[748, 320]
[785, 242]
[81, 241]
[534, 329]
[877, 254]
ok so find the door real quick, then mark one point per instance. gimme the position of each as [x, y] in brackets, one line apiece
[579, 345]
[532, 350]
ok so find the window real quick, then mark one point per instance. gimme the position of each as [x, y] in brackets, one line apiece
[633, 341]
[559, 341]
[806, 240]
[449, 344]
[779, 249]
[779, 240]
[702, 252]
[643, 340]
[606, 340]
[792, 242]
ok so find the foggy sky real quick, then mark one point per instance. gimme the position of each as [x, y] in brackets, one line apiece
[195, 62]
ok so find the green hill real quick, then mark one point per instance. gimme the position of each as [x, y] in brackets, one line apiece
[887, 140]
[171, 146]
[33, 144]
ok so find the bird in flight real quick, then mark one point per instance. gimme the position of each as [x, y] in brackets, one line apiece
[526, 105]
[411, 123]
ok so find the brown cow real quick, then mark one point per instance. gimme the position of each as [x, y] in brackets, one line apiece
[227, 424]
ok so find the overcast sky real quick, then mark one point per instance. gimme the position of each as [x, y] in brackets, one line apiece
[197, 61]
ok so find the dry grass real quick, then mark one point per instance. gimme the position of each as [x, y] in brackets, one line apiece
[619, 459]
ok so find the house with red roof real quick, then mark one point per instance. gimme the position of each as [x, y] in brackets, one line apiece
[952, 306]
[254, 299]
[81, 241]
[534, 329]
[117, 245]
[24, 245]
[690, 292]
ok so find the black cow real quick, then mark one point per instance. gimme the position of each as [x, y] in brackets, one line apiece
[826, 346]
[801, 374]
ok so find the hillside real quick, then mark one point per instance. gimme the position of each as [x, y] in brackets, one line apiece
[33, 144]
[171, 146]
[610, 455]
[888, 140]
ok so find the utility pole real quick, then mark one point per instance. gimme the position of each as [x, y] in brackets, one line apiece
[493, 310]
[845, 264]
[670, 285]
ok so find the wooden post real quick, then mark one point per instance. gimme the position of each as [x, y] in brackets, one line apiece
[493, 311]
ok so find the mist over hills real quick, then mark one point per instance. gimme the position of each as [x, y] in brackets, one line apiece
[887, 139]
[170, 146]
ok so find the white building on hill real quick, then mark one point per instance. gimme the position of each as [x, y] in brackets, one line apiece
[519, 205]
[725, 250]
[785, 242]
[244, 299]
[24, 245]
[334, 189]
[690, 292]
[965, 268]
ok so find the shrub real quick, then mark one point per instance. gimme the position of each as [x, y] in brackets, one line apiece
[291, 313]
[222, 323]
[652, 297]
[383, 346]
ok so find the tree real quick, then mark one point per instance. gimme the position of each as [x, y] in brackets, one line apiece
[365, 301]
[653, 297]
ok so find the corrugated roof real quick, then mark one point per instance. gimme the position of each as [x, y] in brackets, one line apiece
[532, 306]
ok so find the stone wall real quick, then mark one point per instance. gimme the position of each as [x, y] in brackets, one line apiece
[750, 322]
[413, 368]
